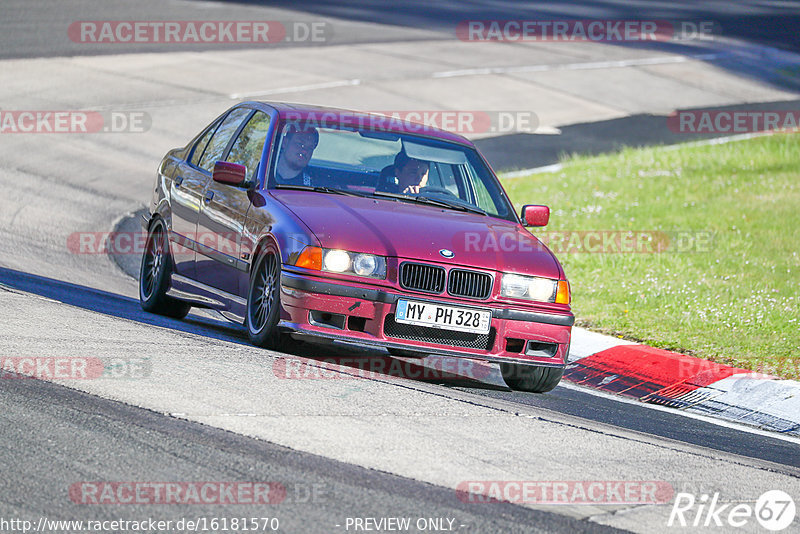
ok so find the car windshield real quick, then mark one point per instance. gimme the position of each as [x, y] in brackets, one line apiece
[400, 167]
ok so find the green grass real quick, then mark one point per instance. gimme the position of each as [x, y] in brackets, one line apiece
[734, 301]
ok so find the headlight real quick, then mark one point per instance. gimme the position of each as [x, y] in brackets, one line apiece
[337, 261]
[342, 261]
[529, 287]
[365, 264]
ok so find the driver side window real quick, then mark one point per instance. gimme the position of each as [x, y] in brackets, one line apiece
[249, 146]
[216, 147]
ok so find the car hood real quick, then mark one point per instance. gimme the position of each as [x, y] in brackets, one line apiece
[415, 231]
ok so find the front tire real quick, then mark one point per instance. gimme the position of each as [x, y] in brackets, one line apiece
[154, 276]
[531, 378]
[263, 300]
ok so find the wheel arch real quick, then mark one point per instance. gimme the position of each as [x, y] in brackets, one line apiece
[262, 243]
[162, 211]
[162, 216]
[289, 246]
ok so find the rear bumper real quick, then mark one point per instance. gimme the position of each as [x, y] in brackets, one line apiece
[365, 316]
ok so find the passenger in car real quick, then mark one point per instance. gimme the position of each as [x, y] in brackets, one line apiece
[406, 176]
[296, 150]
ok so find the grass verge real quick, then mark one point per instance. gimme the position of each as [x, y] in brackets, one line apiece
[723, 282]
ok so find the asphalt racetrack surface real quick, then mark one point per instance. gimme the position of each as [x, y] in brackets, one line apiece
[37, 29]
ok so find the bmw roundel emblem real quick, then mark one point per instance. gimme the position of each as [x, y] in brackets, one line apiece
[447, 253]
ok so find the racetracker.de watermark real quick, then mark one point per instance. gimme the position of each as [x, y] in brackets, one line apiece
[572, 492]
[206, 492]
[699, 371]
[198, 32]
[742, 121]
[588, 30]
[124, 243]
[588, 241]
[74, 367]
[435, 368]
[464, 122]
[73, 122]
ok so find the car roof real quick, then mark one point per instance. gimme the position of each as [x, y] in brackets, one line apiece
[362, 120]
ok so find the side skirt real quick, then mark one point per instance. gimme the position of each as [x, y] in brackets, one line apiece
[232, 307]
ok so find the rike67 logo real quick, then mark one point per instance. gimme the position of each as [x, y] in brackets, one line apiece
[774, 510]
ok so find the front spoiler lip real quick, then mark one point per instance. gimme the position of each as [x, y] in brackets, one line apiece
[298, 282]
[298, 332]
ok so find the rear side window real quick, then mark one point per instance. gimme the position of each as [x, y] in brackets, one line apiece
[249, 145]
[216, 147]
[200, 146]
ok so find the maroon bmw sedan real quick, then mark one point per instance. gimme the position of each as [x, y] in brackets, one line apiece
[307, 223]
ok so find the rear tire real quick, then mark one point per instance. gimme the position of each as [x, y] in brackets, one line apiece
[531, 378]
[154, 276]
[263, 300]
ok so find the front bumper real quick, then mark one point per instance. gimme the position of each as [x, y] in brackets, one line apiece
[363, 315]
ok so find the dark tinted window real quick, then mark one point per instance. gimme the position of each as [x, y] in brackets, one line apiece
[247, 148]
[216, 147]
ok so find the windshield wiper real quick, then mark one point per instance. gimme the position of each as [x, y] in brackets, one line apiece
[454, 205]
[431, 201]
[390, 195]
[320, 189]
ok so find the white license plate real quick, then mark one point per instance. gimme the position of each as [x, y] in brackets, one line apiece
[446, 317]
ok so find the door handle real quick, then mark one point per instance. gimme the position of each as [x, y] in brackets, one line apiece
[178, 181]
[209, 196]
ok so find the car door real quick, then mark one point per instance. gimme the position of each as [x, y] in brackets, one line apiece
[186, 190]
[191, 179]
[225, 207]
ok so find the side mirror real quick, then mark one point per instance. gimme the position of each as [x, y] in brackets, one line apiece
[229, 173]
[535, 215]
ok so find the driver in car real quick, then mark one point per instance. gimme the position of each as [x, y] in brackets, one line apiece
[406, 176]
[296, 150]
